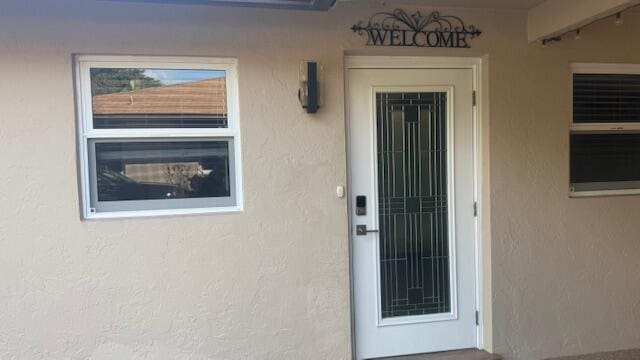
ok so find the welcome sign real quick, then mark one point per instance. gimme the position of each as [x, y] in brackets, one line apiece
[398, 28]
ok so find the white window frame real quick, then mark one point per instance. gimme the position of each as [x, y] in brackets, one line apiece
[594, 128]
[86, 132]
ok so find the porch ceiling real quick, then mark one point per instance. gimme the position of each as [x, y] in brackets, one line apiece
[554, 18]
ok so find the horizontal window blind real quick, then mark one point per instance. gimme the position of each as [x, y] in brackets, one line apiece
[605, 161]
[606, 98]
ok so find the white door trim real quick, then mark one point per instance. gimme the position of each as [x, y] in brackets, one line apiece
[419, 62]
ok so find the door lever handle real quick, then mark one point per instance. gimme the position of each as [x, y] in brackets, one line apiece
[362, 230]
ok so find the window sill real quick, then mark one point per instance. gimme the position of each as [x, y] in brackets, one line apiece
[603, 193]
[161, 213]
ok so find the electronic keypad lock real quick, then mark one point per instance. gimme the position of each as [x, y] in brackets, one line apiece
[361, 205]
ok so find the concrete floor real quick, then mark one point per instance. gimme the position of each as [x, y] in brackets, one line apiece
[450, 355]
[617, 355]
[481, 355]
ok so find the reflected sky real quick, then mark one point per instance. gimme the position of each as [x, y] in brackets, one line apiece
[172, 76]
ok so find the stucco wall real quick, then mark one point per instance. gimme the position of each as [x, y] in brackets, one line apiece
[272, 282]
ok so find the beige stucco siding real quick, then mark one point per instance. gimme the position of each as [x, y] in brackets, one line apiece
[272, 282]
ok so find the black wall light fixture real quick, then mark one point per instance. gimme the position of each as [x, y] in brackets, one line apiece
[309, 92]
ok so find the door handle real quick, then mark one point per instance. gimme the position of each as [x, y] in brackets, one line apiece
[362, 230]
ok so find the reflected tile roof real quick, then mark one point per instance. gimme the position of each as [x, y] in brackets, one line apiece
[204, 97]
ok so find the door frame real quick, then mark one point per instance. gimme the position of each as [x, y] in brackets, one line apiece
[480, 195]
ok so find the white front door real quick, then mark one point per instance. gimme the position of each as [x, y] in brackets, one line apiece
[412, 182]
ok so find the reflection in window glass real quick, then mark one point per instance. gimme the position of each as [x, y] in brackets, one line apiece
[158, 98]
[162, 170]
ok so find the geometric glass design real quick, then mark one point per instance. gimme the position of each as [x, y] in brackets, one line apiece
[413, 203]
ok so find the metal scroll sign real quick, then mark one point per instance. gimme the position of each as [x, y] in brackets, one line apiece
[397, 28]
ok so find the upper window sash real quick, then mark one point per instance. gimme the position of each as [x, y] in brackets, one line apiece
[606, 124]
[86, 63]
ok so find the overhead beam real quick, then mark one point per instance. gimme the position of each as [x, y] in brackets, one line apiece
[556, 17]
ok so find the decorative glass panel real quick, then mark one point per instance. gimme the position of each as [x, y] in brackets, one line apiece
[413, 203]
[158, 98]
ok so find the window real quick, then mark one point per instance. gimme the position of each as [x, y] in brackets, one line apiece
[158, 136]
[605, 132]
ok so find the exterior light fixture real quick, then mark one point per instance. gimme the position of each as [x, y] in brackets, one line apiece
[578, 32]
[309, 92]
[550, 40]
[618, 21]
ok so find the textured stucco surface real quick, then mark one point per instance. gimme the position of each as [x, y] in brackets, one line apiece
[272, 282]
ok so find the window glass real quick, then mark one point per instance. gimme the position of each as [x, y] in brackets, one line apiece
[412, 192]
[606, 98]
[605, 161]
[157, 174]
[158, 98]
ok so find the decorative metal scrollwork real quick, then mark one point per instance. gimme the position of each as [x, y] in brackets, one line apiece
[397, 28]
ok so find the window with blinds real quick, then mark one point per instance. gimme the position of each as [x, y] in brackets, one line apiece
[606, 98]
[605, 131]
